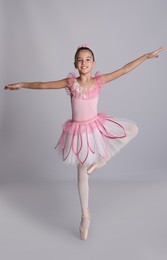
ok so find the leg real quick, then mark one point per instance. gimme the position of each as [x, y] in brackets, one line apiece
[83, 189]
[132, 132]
[100, 163]
[83, 186]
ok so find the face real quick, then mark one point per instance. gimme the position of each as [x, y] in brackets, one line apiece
[84, 62]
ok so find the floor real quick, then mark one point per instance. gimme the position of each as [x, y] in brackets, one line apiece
[40, 220]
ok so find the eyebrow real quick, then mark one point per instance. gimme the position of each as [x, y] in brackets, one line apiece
[86, 57]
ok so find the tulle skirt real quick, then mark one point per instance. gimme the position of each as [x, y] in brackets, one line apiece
[85, 142]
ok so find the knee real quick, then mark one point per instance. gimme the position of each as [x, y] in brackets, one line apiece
[135, 130]
[81, 167]
[82, 171]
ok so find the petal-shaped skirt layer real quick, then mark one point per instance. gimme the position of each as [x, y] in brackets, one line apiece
[101, 137]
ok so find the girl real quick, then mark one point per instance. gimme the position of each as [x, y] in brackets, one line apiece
[89, 139]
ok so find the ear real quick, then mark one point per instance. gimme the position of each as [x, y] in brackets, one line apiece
[75, 65]
[94, 64]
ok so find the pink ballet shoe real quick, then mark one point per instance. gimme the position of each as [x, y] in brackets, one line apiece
[85, 223]
[92, 168]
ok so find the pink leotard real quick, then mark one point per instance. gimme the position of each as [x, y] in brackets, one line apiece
[90, 135]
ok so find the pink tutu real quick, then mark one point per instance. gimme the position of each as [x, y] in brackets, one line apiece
[90, 136]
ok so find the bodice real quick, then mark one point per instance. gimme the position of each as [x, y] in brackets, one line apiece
[83, 109]
[84, 101]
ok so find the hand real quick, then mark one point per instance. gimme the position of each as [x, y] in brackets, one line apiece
[15, 86]
[155, 54]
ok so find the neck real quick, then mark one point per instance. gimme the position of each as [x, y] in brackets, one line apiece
[85, 77]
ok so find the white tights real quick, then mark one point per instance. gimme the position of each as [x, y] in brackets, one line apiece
[83, 186]
[83, 183]
[83, 177]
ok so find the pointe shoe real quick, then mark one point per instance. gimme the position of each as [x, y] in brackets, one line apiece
[84, 226]
[92, 168]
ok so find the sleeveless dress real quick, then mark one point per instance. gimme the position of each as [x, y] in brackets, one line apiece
[89, 135]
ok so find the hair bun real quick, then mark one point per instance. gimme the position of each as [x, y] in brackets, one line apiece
[83, 46]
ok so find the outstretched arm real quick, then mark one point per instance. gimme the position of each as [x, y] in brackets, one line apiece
[130, 66]
[39, 85]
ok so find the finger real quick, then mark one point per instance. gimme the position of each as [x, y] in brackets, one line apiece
[6, 87]
[160, 49]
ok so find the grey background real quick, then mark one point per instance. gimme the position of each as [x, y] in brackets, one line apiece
[39, 203]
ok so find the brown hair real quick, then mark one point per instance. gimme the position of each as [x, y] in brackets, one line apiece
[82, 49]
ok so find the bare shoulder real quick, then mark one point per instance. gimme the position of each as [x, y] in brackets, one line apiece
[107, 77]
